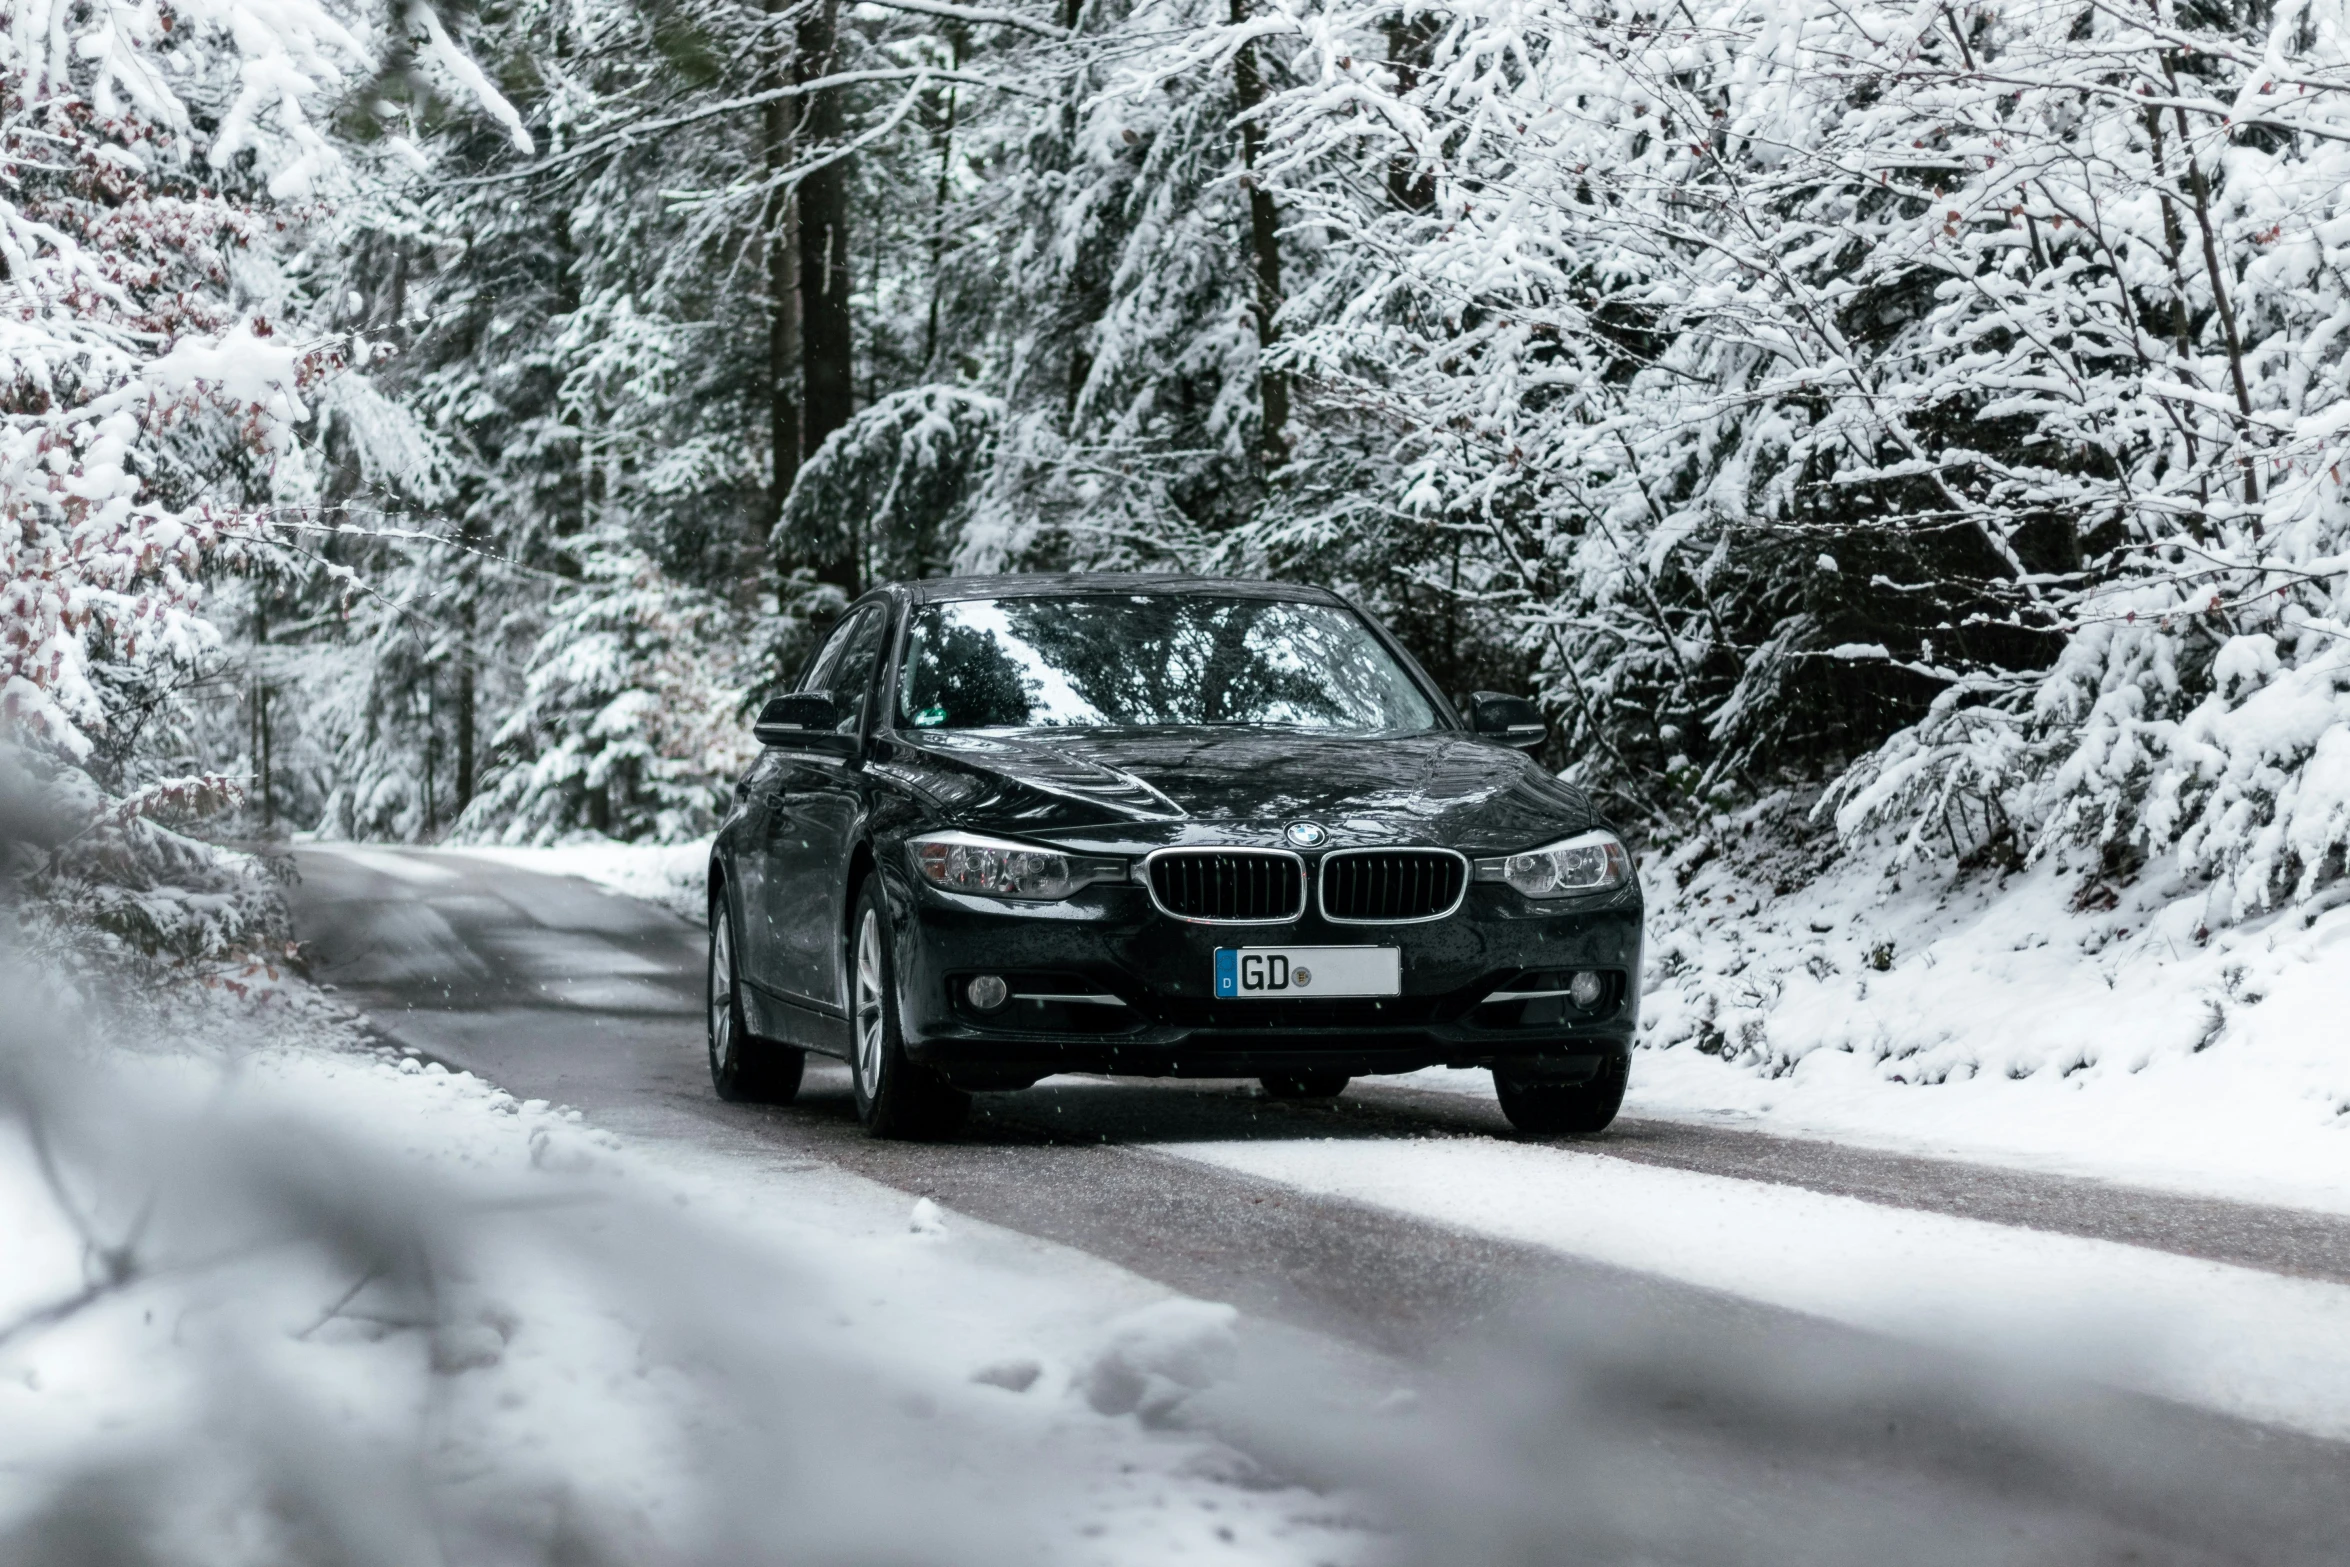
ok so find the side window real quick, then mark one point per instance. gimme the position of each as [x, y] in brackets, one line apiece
[847, 675]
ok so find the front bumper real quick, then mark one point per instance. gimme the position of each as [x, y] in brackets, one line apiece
[1159, 1017]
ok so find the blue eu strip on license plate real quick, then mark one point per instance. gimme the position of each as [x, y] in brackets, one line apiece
[1306, 973]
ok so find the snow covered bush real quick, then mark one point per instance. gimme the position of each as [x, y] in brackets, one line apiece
[628, 725]
[892, 488]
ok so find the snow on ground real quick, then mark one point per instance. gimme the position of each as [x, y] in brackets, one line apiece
[2044, 1018]
[674, 875]
[2246, 1343]
[338, 1293]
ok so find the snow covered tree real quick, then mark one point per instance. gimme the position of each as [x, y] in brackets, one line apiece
[1792, 378]
[628, 726]
[1937, 401]
[1136, 312]
[149, 423]
[605, 335]
[171, 361]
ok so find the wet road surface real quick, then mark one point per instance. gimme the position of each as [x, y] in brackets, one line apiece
[556, 990]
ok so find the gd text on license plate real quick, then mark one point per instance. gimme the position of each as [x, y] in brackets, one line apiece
[1303, 973]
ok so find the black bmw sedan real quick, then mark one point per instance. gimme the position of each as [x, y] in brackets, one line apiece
[1012, 826]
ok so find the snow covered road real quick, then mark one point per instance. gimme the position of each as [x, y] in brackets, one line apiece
[1398, 1223]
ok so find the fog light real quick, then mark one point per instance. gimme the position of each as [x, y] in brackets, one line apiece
[988, 992]
[1586, 987]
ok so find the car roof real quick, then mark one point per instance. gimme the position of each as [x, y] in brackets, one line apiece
[931, 590]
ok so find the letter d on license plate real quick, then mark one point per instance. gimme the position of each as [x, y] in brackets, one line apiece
[1304, 973]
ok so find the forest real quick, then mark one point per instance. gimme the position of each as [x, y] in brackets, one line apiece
[437, 425]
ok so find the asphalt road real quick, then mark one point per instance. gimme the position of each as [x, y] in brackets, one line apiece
[1706, 1428]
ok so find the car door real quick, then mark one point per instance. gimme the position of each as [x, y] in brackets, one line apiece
[754, 939]
[770, 833]
[814, 817]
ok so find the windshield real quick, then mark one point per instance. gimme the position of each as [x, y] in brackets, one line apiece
[1146, 659]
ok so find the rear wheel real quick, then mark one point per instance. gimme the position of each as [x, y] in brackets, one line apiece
[1547, 1109]
[743, 1069]
[1305, 1085]
[896, 1097]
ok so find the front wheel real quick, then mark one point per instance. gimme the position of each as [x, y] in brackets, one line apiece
[1547, 1109]
[895, 1096]
[743, 1069]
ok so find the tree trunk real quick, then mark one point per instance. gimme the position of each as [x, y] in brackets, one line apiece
[1409, 41]
[1264, 230]
[432, 753]
[938, 210]
[260, 745]
[783, 282]
[827, 394]
[268, 790]
[399, 311]
[2218, 275]
[465, 712]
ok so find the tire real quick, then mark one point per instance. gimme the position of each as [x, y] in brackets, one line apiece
[895, 1096]
[1542, 1109]
[744, 1069]
[1305, 1085]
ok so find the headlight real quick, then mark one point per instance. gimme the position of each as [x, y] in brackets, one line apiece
[1589, 862]
[993, 868]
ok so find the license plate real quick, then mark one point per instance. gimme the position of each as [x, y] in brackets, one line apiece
[1304, 973]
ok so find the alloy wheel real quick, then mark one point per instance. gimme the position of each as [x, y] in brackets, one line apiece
[722, 1041]
[869, 1020]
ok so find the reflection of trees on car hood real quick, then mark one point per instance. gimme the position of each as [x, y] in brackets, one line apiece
[1443, 784]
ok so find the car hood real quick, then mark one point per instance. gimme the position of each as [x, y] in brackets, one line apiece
[1164, 786]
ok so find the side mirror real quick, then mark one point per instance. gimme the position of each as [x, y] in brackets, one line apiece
[1513, 720]
[802, 721]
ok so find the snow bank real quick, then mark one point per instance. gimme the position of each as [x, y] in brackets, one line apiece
[2050, 1017]
[298, 1302]
[1150, 1360]
[674, 875]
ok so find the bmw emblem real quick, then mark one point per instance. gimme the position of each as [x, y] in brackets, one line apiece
[1307, 835]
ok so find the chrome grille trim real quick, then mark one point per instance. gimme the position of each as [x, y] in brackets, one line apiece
[1459, 869]
[1198, 862]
